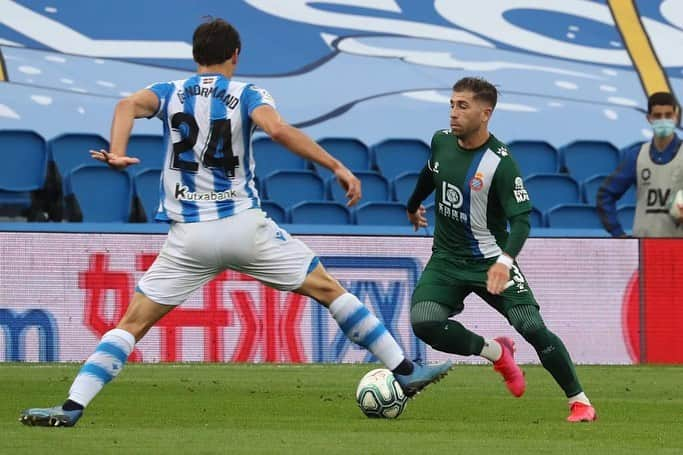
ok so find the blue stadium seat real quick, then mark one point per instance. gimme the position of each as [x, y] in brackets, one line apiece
[352, 152]
[574, 216]
[103, 195]
[593, 184]
[271, 157]
[625, 214]
[536, 218]
[404, 185]
[622, 151]
[291, 187]
[535, 157]
[72, 150]
[396, 156]
[374, 186]
[382, 213]
[584, 159]
[147, 189]
[590, 187]
[23, 169]
[149, 149]
[549, 190]
[274, 211]
[24, 161]
[320, 212]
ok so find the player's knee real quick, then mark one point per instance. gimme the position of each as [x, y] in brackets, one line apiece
[427, 331]
[527, 322]
[322, 286]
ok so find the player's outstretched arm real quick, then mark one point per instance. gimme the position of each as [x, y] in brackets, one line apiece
[418, 218]
[269, 120]
[143, 103]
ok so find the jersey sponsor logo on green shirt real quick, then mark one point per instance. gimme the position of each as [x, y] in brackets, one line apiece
[451, 201]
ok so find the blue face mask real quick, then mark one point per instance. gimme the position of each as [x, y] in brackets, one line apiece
[663, 127]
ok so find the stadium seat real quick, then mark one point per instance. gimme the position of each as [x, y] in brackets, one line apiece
[593, 184]
[149, 149]
[382, 213]
[23, 169]
[24, 161]
[320, 212]
[549, 190]
[69, 151]
[271, 157]
[535, 157]
[574, 216]
[291, 187]
[274, 211]
[536, 218]
[147, 189]
[397, 156]
[103, 195]
[374, 186]
[404, 185]
[352, 152]
[590, 187]
[583, 159]
[625, 214]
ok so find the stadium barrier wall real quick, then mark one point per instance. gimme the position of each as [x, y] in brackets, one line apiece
[613, 301]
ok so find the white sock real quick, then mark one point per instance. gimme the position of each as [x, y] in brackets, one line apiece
[581, 398]
[492, 350]
[102, 366]
[363, 328]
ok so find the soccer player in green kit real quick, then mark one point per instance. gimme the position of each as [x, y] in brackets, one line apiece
[478, 191]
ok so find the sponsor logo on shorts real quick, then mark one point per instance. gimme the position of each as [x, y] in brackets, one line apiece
[183, 193]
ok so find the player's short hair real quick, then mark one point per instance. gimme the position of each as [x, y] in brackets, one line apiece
[214, 42]
[661, 99]
[483, 90]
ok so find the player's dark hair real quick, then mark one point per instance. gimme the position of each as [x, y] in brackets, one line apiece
[214, 42]
[661, 99]
[483, 90]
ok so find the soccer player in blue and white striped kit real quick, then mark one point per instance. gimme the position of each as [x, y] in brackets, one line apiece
[209, 197]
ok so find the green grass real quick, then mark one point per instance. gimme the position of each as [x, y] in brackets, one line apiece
[270, 409]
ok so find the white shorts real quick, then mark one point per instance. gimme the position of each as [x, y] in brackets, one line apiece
[248, 242]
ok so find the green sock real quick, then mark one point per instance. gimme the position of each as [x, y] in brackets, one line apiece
[431, 324]
[551, 350]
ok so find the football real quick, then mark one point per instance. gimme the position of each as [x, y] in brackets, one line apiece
[379, 395]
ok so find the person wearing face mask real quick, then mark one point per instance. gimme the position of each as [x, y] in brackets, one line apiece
[656, 168]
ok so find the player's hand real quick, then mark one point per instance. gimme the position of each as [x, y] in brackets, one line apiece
[418, 219]
[497, 278]
[114, 161]
[351, 185]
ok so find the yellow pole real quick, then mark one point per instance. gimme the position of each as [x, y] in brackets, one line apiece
[639, 47]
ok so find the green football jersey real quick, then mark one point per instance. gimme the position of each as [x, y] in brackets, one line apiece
[477, 191]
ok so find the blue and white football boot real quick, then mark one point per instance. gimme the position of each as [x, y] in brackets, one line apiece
[50, 417]
[422, 376]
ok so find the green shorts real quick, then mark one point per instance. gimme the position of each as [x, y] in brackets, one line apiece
[448, 281]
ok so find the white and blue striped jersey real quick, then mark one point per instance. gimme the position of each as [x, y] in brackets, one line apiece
[209, 165]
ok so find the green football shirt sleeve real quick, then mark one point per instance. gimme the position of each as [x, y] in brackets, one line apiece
[423, 188]
[519, 232]
[510, 189]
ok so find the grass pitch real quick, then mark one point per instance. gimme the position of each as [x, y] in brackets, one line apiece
[271, 409]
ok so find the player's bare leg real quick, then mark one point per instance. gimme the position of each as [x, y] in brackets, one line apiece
[102, 366]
